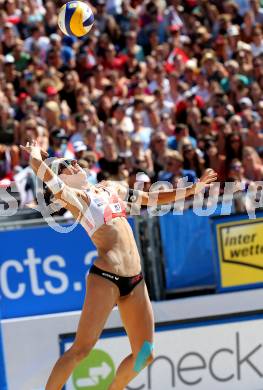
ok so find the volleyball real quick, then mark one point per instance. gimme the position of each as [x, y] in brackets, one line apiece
[75, 18]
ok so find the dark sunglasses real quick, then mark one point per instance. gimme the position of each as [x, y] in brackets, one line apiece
[170, 163]
[236, 167]
[65, 164]
[31, 128]
[90, 161]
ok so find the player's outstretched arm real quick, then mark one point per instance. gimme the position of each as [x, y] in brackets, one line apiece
[162, 197]
[169, 196]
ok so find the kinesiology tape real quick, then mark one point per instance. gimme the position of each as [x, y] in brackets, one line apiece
[55, 185]
[143, 356]
[68, 195]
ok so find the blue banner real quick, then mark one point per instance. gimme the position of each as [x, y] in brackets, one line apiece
[43, 271]
[3, 385]
[187, 248]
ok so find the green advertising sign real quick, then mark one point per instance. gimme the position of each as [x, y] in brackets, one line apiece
[95, 372]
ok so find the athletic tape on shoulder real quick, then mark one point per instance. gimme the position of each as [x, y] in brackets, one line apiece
[55, 185]
[143, 356]
[68, 195]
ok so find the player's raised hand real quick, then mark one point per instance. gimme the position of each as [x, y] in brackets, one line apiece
[208, 177]
[33, 148]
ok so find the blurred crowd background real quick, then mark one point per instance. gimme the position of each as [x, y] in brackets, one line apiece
[166, 88]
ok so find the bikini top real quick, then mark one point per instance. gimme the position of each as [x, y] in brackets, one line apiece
[103, 208]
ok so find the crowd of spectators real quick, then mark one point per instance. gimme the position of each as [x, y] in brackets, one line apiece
[167, 88]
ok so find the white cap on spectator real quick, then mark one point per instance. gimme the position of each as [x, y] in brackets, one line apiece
[233, 31]
[142, 177]
[243, 46]
[246, 101]
[9, 59]
[191, 64]
[79, 146]
[185, 40]
[8, 25]
[55, 37]
[232, 63]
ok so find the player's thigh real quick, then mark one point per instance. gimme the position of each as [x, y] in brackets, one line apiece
[137, 317]
[101, 296]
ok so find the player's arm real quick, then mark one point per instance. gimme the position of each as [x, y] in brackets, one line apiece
[60, 190]
[163, 197]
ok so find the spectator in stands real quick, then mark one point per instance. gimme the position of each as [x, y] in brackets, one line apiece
[158, 147]
[253, 168]
[110, 164]
[140, 158]
[237, 173]
[174, 169]
[234, 146]
[214, 160]
[181, 135]
[192, 161]
[150, 78]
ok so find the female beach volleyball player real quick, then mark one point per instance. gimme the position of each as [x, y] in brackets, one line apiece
[115, 277]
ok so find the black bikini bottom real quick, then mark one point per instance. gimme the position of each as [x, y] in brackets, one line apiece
[125, 283]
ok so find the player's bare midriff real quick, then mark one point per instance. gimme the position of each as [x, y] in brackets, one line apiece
[117, 250]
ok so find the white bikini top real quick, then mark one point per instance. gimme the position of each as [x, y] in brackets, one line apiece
[103, 208]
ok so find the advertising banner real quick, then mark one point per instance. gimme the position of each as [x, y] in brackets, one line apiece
[218, 356]
[3, 385]
[43, 271]
[33, 344]
[239, 252]
[187, 249]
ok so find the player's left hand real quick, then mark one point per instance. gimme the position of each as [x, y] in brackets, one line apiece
[208, 177]
[205, 181]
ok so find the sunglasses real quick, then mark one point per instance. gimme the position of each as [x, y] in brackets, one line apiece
[90, 161]
[236, 167]
[30, 128]
[170, 163]
[66, 164]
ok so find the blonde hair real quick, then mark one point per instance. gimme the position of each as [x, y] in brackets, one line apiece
[175, 155]
[254, 154]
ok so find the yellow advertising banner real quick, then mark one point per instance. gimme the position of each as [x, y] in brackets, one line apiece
[240, 252]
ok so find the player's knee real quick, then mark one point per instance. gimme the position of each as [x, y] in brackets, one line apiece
[144, 357]
[80, 351]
